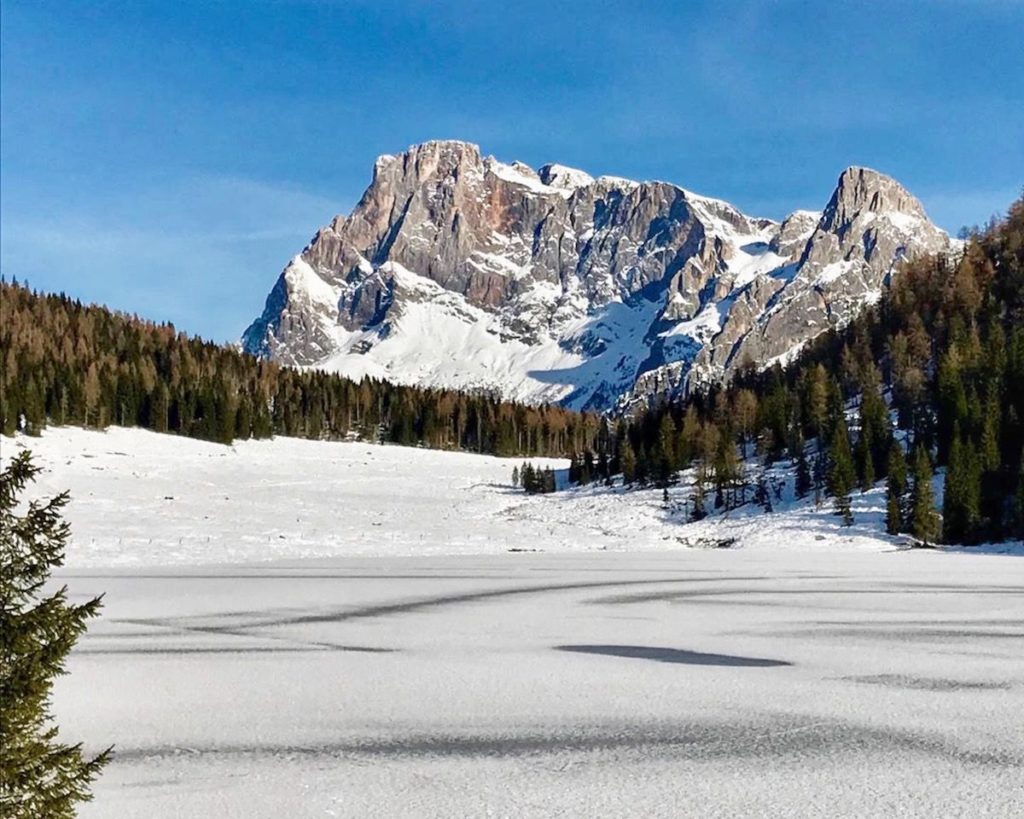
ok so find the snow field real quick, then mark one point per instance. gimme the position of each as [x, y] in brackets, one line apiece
[312, 629]
[141, 498]
[703, 683]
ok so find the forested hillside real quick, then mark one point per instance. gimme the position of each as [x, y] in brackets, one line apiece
[67, 363]
[932, 376]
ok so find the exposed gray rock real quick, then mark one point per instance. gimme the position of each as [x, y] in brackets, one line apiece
[553, 285]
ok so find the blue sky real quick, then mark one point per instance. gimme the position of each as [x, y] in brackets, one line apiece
[168, 158]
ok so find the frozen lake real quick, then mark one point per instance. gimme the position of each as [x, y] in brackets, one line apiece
[715, 683]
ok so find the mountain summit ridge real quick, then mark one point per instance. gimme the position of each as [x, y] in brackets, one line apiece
[458, 270]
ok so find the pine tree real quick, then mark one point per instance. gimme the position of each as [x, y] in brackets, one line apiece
[895, 489]
[803, 480]
[954, 518]
[961, 497]
[924, 523]
[549, 484]
[819, 473]
[574, 469]
[587, 468]
[515, 476]
[865, 463]
[1016, 523]
[841, 475]
[39, 775]
[527, 478]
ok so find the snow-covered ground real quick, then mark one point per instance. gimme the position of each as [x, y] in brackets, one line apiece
[140, 498]
[314, 629]
[697, 683]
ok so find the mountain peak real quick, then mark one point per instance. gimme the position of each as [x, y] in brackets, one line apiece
[560, 176]
[865, 189]
[459, 270]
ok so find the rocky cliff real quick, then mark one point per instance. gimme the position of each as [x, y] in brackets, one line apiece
[455, 269]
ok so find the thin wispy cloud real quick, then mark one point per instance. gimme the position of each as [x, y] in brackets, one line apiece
[201, 252]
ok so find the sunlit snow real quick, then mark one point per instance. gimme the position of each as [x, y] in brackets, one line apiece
[356, 630]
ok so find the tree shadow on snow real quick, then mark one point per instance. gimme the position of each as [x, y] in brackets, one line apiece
[673, 655]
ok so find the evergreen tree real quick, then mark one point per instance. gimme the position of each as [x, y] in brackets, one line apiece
[895, 489]
[548, 480]
[643, 466]
[841, 475]
[865, 463]
[603, 467]
[961, 497]
[952, 400]
[819, 474]
[587, 468]
[527, 477]
[924, 523]
[39, 775]
[1016, 522]
[574, 469]
[515, 476]
[803, 481]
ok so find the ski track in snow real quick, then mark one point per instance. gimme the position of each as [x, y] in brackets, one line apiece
[348, 669]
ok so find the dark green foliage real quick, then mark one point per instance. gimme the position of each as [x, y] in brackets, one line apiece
[1016, 516]
[874, 436]
[39, 775]
[896, 490]
[804, 480]
[62, 362]
[945, 345]
[537, 481]
[819, 473]
[924, 522]
[961, 500]
[841, 475]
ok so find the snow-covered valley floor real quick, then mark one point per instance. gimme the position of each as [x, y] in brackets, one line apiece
[708, 683]
[143, 499]
[300, 629]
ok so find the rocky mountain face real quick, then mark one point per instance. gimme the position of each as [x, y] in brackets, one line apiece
[458, 270]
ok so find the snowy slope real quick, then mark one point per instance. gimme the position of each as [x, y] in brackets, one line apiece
[141, 498]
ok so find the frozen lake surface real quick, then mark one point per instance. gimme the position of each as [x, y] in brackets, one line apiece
[712, 683]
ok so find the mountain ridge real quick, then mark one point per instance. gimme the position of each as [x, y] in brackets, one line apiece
[458, 270]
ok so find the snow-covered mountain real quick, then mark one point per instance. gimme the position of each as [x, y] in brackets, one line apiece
[458, 270]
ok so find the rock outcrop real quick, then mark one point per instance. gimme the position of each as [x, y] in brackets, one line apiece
[455, 269]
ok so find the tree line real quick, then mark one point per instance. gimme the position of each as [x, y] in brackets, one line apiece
[63, 362]
[931, 377]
